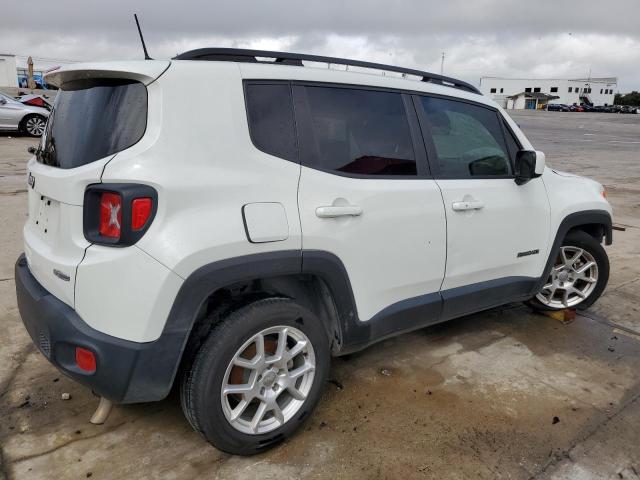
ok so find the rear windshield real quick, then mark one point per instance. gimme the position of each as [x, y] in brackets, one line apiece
[92, 119]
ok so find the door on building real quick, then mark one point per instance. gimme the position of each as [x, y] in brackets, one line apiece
[530, 104]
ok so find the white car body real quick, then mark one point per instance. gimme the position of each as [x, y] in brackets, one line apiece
[220, 198]
[12, 112]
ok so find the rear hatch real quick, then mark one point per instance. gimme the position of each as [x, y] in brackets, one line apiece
[100, 110]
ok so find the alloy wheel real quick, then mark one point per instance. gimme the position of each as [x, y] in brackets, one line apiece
[35, 126]
[572, 279]
[268, 379]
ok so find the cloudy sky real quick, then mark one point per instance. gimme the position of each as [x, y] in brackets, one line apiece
[543, 38]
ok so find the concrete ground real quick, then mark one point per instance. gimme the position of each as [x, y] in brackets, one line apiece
[500, 394]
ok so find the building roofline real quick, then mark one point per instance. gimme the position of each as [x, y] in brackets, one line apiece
[592, 79]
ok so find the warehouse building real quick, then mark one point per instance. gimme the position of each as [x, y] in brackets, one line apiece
[520, 93]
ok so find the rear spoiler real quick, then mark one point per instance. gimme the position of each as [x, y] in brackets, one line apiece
[144, 71]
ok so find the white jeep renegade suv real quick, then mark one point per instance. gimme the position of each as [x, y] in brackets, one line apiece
[231, 242]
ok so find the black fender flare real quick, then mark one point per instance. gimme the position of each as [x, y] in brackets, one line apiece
[573, 220]
[206, 280]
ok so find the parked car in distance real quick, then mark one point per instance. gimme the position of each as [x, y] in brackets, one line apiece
[586, 108]
[317, 212]
[34, 100]
[628, 109]
[27, 119]
[558, 107]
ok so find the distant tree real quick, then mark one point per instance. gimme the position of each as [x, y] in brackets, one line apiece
[632, 98]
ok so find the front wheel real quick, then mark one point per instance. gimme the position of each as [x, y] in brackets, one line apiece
[257, 377]
[578, 276]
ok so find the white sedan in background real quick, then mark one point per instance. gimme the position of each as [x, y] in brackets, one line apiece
[27, 119]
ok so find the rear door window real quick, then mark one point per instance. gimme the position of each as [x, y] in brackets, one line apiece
[468, 139]
[354, 131]
[92, 119]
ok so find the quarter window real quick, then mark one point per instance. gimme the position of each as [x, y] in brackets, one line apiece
[468, 139]
[354, 131]
[270, 115]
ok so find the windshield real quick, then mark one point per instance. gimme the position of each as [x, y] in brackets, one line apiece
[92, 119]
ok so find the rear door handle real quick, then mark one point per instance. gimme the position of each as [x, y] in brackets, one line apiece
[338, 211]
[467, 205]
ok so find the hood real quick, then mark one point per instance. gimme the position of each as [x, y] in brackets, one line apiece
[564, 174]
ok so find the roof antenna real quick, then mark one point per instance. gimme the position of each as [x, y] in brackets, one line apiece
[144, 47]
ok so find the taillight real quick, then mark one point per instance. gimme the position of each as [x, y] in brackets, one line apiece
[110, 215]
[140, 212]
[118, 214]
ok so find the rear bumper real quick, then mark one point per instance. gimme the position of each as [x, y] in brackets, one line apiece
[126, 372]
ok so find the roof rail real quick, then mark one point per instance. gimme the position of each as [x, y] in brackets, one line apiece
[286, 58]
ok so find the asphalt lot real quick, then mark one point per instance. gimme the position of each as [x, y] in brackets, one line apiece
[501, 394]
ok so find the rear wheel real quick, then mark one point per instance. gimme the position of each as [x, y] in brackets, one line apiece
[578, 277]
[257, 377]
[33, 125]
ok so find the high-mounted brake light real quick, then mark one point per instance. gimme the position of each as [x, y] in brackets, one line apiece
[110, 215]
[140, 212]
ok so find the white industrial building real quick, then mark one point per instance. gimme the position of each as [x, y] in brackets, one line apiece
[530, 93]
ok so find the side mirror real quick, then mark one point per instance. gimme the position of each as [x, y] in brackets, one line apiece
[2, 101]
[529, 164]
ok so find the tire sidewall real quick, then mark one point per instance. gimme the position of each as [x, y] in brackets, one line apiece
[212, 360]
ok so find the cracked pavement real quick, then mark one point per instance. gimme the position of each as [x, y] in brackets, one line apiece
[501, 394]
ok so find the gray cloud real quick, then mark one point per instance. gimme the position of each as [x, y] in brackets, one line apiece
[480, 37]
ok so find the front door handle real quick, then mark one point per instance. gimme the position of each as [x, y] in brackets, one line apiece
[467, 205]
[338, 211]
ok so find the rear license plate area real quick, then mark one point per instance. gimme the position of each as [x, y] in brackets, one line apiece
[46, 210]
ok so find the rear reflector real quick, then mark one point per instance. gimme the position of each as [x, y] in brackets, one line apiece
[110, 215]
[85, 359]
[140, 212]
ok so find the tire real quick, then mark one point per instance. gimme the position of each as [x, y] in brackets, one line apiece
[33, 125]
[592, 290]
[235, 340]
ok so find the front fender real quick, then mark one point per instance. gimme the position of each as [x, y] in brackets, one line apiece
[573, 220]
